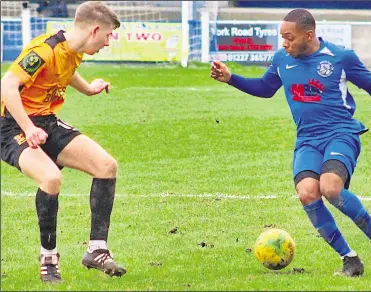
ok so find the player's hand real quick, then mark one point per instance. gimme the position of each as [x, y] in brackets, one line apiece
[98, 85]
[35, 136]
[220, 71]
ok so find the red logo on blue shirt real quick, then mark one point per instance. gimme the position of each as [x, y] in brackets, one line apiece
[310, 92]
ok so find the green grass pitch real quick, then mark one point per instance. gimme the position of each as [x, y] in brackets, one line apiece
[193, 154]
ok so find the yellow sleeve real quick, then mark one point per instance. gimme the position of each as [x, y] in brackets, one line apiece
[31, 62]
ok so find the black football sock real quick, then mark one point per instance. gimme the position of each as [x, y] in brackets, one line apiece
[47, 209]
[102, 195]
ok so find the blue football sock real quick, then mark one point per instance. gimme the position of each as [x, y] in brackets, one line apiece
[323, 221]
[351, 206]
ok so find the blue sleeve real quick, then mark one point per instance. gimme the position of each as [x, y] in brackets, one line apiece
[265, 86]
[356, 72]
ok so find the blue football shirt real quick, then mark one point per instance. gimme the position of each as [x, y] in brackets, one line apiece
[315, 88]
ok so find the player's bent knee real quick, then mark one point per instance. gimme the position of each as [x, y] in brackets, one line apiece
[308, 191]
[307, 198]
[331, 185]
[51, 183]
[107, 168]
[334, 177]
[111, 166]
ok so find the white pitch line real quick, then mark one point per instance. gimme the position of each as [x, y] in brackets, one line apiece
[163, 195]
[167, 195]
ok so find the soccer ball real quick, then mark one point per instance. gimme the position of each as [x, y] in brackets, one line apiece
[275, 249]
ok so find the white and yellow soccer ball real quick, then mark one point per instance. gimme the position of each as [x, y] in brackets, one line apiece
[275, 249]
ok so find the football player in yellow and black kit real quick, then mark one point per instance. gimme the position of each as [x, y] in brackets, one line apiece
[39, 144]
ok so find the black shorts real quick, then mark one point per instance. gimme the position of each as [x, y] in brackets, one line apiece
[13, 140]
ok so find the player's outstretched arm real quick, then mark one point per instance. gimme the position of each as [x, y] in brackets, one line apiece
[95, 87]
[261, 87]
[11, 98]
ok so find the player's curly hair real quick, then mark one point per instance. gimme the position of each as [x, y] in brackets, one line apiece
[303, 19]
[93, 11]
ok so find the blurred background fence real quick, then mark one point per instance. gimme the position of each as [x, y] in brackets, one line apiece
[183, 31]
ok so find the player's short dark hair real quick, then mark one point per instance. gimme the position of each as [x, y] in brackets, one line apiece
[303, 19]
[93, 11]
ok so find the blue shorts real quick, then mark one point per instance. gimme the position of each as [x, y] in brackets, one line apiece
[344, 147]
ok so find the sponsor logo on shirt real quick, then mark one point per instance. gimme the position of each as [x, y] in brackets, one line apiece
[55, 94]
[310, 92]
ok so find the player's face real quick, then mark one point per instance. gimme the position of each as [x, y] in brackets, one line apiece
[99, 38]
[295, 41]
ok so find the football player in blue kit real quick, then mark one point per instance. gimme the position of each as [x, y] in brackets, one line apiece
[314, 73]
